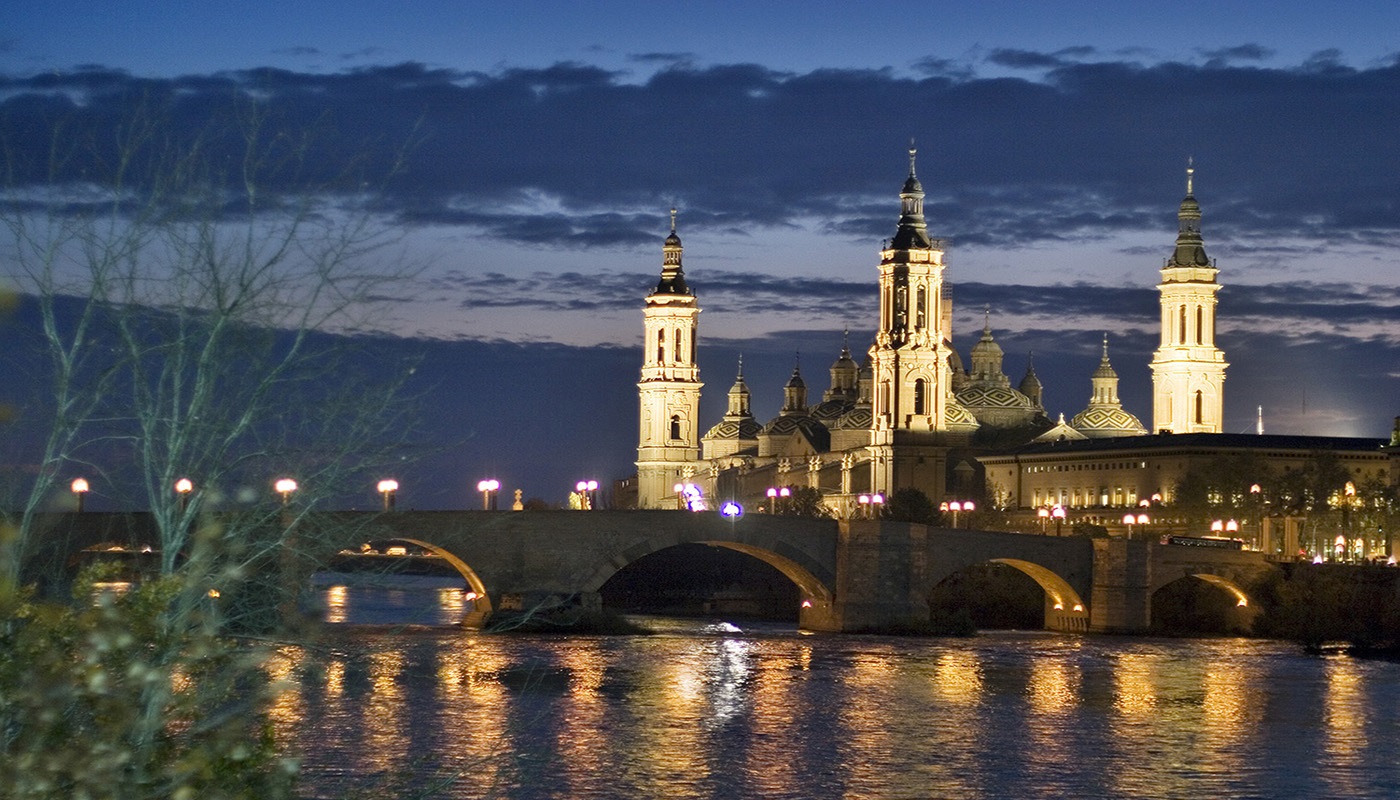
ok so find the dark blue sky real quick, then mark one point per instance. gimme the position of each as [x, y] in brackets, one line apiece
[551, 138]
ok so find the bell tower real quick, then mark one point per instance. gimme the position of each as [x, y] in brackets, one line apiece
[909, 360]
[1188, 370]
[668, 447]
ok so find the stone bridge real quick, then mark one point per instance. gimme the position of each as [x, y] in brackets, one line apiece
[852, 575]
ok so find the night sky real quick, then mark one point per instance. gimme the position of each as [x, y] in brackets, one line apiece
[549, 140]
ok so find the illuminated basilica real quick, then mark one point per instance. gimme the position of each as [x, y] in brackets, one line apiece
[911, 413]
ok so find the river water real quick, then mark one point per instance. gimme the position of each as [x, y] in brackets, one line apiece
[709, 709]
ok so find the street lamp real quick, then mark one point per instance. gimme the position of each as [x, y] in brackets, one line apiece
[285, 487]
[183, 487]
[731, 510]
[956, 506]
[390, 489]
[1224, 526]
[870, 505]
[80, 488]
[1130, 519]
[774, 493]
[1043, 514]
[1058, 514]
[586, 489]
[488, 489]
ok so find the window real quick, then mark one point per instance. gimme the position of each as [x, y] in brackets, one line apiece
[919, 391]
[661, 345]
[1200, 407]
[919, 313]
[675, 427]
[677, 348]
[1181, 326]
[1200, 327]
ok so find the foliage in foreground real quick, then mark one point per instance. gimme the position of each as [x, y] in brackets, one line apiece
[112, 697]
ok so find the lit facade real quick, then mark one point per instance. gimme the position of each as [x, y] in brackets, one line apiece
[1188, 370]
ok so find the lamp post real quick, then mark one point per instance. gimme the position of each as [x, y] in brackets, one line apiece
[285, 487]
[488, 488]
[586, 490]
[1224, 526]
[1058, 514]
[1043, 514]
[870, 505]
[1257, 539]
[389, 488]
[774, 492]
[1130, 519]
[955, 507]
[80, 488]
[1348, 497]
[183, 487]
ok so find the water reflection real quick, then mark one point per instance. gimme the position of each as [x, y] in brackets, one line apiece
[693, 714]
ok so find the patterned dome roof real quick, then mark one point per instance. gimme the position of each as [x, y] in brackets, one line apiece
[1102, 422]
[832, 409]
[959, 418]
[858, 418]
[735, 429]
[983, 396]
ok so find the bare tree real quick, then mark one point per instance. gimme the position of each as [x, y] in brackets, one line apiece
[196, 296]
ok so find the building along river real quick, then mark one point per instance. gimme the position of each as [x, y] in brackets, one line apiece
[707, 709]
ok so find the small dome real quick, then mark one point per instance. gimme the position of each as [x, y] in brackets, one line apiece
[1103, 422]
[735, 429]
[796, 382]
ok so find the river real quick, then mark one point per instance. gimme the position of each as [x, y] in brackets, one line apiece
[712, 709]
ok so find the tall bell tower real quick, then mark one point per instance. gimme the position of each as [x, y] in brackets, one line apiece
[1188, 370]
[668, 448]
[909, 360]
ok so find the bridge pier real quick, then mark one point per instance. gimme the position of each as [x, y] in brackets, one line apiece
[1120, 600]
[879, 574]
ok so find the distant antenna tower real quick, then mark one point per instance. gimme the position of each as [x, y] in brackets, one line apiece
[1259, 426]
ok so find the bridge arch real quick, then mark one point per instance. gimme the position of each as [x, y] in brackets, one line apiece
[479, 600]
[1063, 608]
[1239, 613]
[818, 600]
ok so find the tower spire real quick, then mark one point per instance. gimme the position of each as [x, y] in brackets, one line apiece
[672, 273]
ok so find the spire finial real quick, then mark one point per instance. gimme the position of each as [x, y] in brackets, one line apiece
[912, 152]
[673, 219]
[741, 366]
[987, 317]
[1105, 345]
[1190, 173]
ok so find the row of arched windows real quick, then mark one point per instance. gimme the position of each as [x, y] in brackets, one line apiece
[1200, 325]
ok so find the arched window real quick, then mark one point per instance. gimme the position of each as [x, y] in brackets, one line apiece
[1200, 326]
[661, 345]
[1181, 327]
[919, 396]
[677, 349]
[1200, 407]
[920, 315]
[675, 427]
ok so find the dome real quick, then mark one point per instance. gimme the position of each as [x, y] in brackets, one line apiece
[958, 418]
[829, 410]
[735, 429]
[858, 418]
[981, 396]
[1104, 422]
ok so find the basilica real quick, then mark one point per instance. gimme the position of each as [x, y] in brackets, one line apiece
[910, 412]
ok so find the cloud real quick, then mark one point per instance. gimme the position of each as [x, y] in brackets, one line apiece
[567, 155]
[298, 50]
[1244, 52]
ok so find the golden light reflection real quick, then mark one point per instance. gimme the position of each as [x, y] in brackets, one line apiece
[1053, 688]
[288, 706]
[1226, 714]
[1135, 695]
[337, 604]
[957, 676]
[451, 604]
[335, 678]
[384, 712]
[1345, 716]
[776, 704]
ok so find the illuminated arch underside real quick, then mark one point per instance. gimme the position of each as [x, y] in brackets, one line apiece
[482, 602]
[1063, 596]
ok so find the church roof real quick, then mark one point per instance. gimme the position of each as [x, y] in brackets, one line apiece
[742, 429]
[1101, 422]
